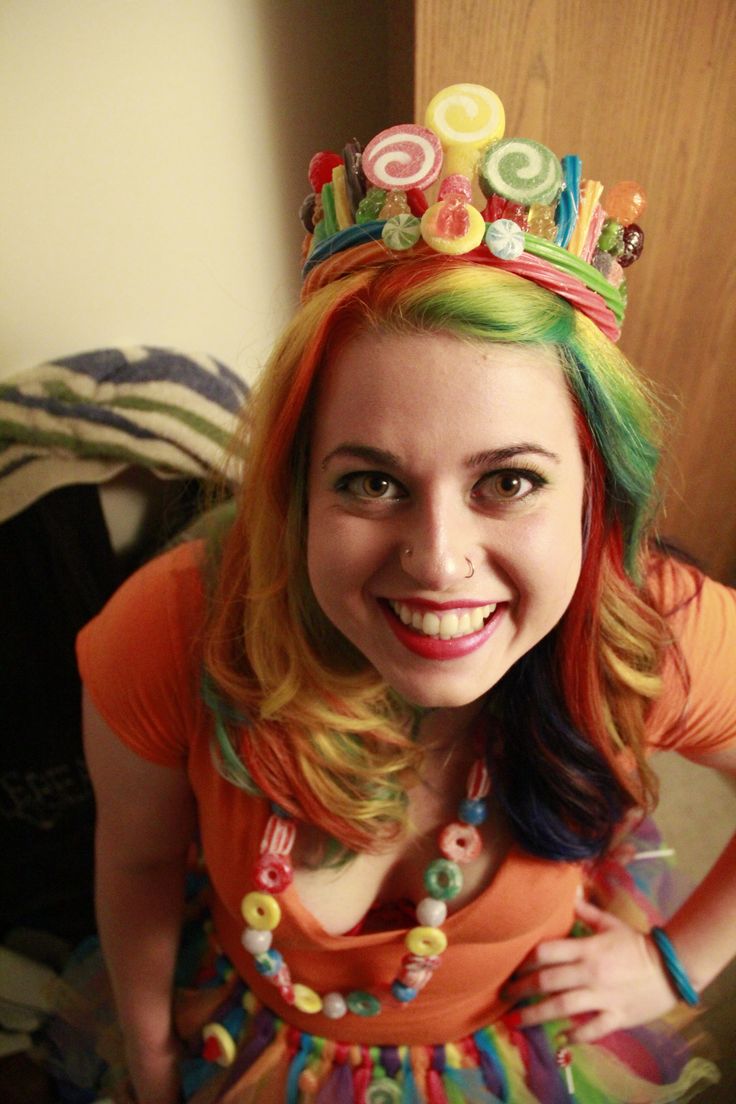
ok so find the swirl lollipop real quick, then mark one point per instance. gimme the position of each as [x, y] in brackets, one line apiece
[521, 170]
[465, 118]
[402, 157]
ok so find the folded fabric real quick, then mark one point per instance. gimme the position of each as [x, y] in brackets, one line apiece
[82, 419]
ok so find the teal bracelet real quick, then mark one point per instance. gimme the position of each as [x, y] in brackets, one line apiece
[674, 967]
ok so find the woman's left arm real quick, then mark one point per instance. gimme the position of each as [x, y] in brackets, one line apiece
[616, 977]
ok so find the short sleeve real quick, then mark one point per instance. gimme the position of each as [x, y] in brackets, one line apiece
[140, 658]
[696, 713]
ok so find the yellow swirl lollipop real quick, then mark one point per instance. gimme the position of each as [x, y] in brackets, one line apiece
[465, 118]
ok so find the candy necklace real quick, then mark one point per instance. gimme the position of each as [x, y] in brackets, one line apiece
[459, 843]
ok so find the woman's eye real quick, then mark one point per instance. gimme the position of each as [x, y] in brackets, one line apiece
[369, 485]
[509, 485]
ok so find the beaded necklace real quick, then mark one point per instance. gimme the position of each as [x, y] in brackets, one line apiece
[459, 843]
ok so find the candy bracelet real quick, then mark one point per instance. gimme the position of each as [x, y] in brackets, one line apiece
[674, 967]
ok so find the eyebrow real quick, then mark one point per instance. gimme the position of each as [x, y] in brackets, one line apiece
[487, 458]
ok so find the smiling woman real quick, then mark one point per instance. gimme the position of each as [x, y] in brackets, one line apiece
[410, 697]
[443, 495]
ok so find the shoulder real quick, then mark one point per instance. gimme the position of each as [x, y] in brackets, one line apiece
[696, 712]
[140, 658]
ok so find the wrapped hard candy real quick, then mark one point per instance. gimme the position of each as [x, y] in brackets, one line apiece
[306, 212]
[402, 232]
[633, 245]
[505, 239]
[354, 176]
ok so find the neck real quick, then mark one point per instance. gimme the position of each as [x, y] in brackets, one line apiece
[445, 729]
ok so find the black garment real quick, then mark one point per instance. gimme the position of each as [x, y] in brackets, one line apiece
[57, 569]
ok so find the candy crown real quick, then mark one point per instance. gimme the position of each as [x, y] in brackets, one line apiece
[538, 217]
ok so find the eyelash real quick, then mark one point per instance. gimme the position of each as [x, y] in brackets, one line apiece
[531, 475]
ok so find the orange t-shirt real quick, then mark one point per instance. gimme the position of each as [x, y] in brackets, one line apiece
[140, 660]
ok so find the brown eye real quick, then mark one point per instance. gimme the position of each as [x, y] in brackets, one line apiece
[373, 485]
[510, 485]
[507, 484]
[370, 486]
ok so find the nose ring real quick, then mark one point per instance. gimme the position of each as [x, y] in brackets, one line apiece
[471, 570]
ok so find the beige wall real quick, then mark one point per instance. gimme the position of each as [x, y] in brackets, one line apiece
[154, 158]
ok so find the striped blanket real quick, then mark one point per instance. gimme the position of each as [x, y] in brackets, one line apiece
[84, 418]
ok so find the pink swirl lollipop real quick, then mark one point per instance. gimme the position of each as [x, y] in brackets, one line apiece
[403, 157]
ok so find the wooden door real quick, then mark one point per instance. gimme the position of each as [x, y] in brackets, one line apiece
[641, 91]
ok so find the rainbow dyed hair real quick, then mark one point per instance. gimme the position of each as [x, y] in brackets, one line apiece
[322, 734]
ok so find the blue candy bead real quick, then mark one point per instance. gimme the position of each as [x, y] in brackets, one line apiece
[472, 811]
[403, 993]
[269, 963]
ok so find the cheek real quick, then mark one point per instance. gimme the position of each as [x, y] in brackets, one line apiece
[342, 555]
[547, 562]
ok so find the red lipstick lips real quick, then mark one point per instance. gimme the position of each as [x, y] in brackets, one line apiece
[432, 647]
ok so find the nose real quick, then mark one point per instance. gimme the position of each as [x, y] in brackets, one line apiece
[436, 549]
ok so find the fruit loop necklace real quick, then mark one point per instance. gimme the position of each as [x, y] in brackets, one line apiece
[459, 843]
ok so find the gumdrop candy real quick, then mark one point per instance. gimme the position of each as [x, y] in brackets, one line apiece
[396, 204]
[453, 220]
[612, 237]
[456, 184]
[625, 201]
[609, 267]
[320, 169]
[370, 206]
[633, 245]
[541, 221]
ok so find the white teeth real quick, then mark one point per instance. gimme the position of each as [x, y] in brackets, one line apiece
[431, 624]
[447, 626]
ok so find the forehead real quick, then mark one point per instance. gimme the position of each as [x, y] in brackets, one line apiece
[437, 385]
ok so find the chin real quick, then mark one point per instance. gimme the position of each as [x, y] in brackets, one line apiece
[438, 697]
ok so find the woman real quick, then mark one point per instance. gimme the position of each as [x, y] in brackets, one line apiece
[438, 611]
